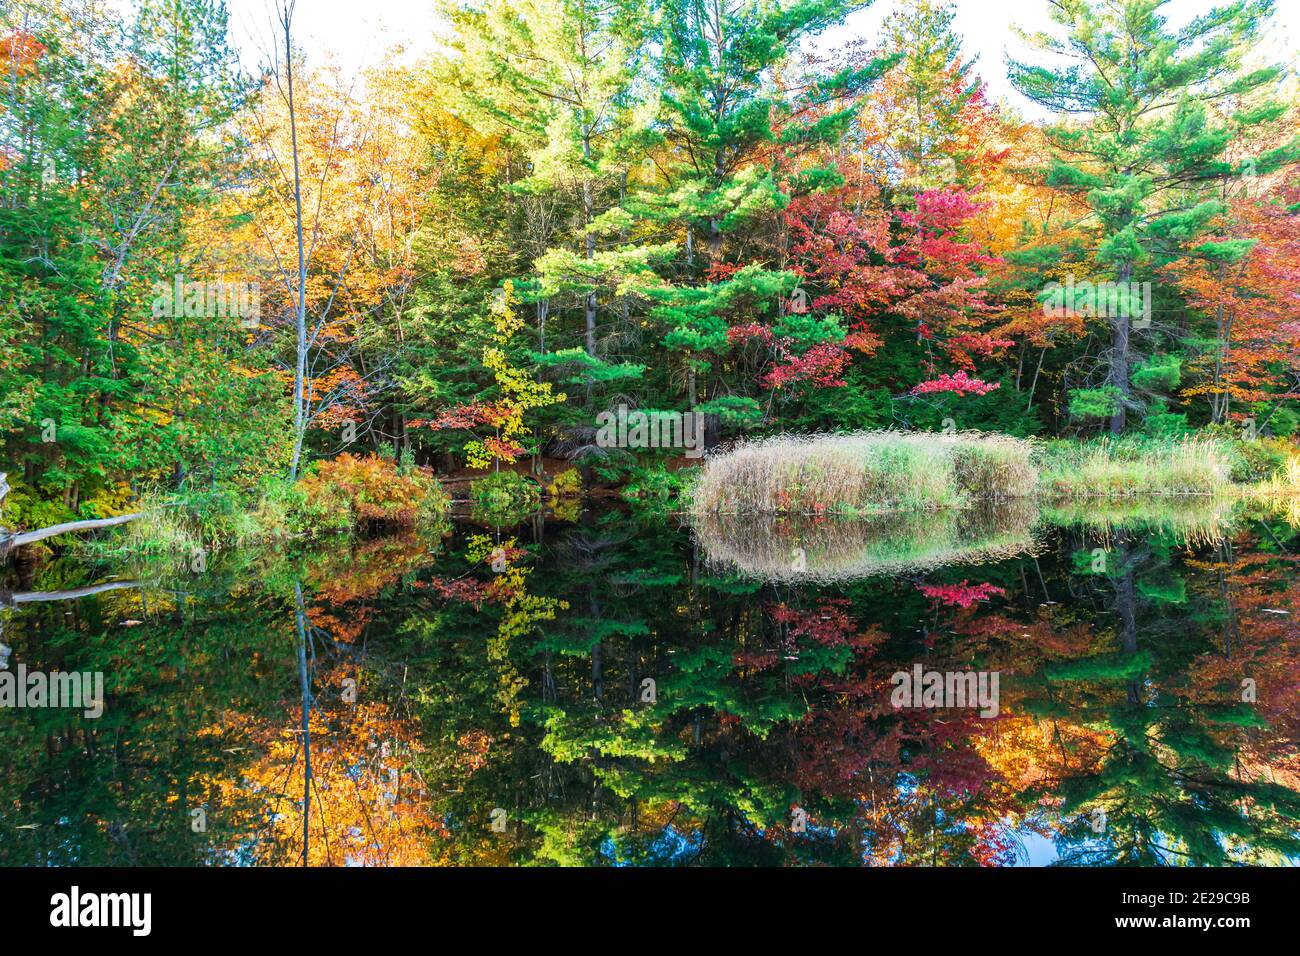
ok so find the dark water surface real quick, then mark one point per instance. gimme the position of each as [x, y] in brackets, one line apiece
[608, 690]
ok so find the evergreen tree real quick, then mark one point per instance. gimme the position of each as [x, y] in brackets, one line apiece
[728, 132]
[926, 92]
[1140, 141]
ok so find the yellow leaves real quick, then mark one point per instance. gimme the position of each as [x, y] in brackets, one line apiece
[477, 455]
[358, 156]
[519, 391]
[521, 613]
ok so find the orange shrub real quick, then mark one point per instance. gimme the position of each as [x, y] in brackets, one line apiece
[373, 490]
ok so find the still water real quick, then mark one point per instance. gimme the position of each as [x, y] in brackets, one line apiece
[598, 688]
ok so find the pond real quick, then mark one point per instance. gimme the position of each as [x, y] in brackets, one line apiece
[601, 688]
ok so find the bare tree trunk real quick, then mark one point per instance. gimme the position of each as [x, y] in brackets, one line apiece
[10, 541]
[9, 599]
[589, 240]
[300, 365]
[1034, 384]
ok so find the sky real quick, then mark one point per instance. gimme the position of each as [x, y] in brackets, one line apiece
[357, 33]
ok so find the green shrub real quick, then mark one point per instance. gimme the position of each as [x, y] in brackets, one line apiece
[1159, 373]
[1094, 403]
[1259, 459]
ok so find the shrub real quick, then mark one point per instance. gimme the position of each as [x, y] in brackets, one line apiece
[566, 484]
[659, 489]
[217, 519]
[1094, 403]
[1260, 459]
[356, 492]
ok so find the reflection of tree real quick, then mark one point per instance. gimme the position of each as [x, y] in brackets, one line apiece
[337, 780]
[477, 688]
[140, 785]
[1167, 776]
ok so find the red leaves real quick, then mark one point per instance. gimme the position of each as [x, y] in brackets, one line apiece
[828, 624]
[505, 450]
[821, 365]
[866, 264]
[465, 416]
[977, 343]
[958, 384]
[749, 332]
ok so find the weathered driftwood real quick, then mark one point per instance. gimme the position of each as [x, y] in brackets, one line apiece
[9, 541]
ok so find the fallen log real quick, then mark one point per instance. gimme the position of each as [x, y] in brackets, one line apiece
[9, 541]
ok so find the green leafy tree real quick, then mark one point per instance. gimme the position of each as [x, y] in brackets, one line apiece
[1141, 142]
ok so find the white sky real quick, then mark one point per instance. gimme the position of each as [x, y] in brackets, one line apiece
[359, 32]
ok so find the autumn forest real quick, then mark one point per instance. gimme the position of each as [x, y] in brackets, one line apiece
[650, 432]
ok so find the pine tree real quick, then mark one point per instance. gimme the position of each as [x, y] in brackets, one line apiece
[927, 92]
[727, 133]
[1140, 141]
[558, 77]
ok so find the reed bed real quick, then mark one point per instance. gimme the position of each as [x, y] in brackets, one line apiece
[865, 473]
[1281, 492]
[1192, 521]
[1135, 467]
[872, 473]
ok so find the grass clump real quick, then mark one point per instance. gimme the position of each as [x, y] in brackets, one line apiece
[658, 490]
[864, 473]
[1112, 467]
[217, 519]
[344, 495]
[1281, 491]
[1193, 521]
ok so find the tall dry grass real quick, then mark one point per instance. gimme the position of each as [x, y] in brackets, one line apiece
[864, 473]
[1134, 467]
[1190, 520]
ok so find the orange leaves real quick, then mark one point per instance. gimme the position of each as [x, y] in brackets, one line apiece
[1251, 302]
[368, 805]
[19, 52]
[371, 489]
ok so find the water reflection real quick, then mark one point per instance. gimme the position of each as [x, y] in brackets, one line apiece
[826, 548]
[608, 691]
